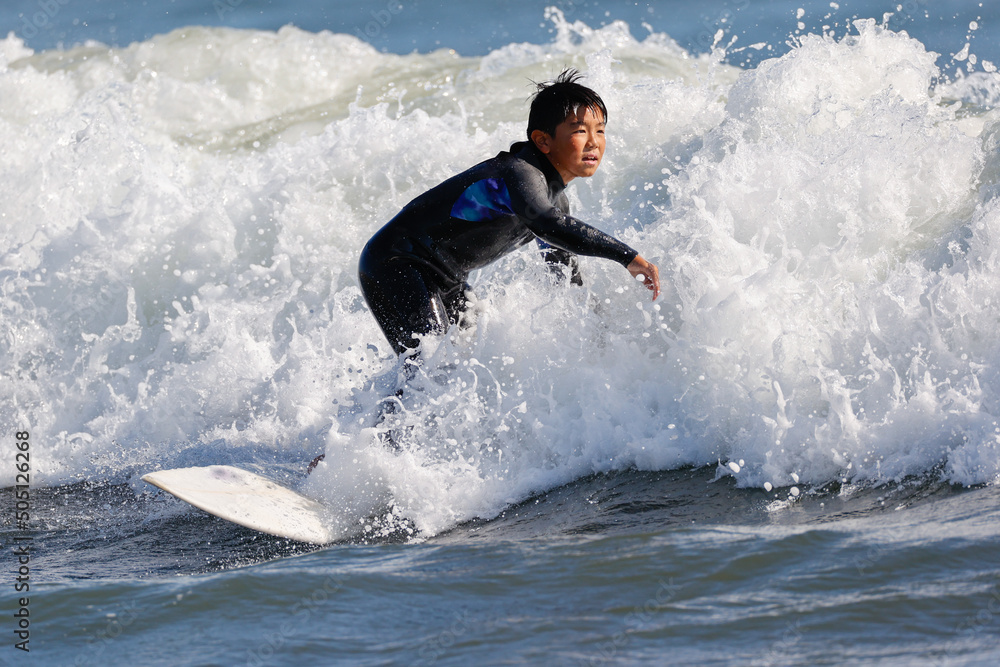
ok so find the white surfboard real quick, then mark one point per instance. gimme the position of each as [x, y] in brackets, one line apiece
[247, 499]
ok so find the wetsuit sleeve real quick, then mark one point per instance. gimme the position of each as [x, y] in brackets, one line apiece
[530, 200]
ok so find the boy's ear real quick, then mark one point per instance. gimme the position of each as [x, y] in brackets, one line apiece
[543, 140]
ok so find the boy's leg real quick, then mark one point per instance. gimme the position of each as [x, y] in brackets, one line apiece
[404, 303]
[456, 304]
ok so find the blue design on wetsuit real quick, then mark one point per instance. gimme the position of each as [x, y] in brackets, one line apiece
[487, 199]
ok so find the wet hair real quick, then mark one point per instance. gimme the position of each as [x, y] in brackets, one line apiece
[554, 101]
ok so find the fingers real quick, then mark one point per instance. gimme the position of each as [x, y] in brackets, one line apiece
[652, 280]
[650, 274]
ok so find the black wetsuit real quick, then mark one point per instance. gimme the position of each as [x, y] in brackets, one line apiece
[413, 271]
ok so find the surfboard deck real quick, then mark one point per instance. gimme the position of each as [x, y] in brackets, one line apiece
[247, 499]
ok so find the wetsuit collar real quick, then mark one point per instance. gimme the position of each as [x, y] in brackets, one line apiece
[528, 151]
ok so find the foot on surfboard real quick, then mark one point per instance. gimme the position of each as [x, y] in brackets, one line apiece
[314, 463]
[385, 437]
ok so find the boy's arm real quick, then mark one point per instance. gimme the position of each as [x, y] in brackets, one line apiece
[529, 199]
[611, 248]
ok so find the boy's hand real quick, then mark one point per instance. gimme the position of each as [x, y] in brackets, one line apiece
[650, 274]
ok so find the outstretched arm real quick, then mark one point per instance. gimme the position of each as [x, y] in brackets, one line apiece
[650, 274]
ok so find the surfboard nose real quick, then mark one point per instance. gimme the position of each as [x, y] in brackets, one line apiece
[249, 500]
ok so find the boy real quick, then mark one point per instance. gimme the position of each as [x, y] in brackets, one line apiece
[413, 271]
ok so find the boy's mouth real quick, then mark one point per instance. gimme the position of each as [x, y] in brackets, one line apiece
[591, 159]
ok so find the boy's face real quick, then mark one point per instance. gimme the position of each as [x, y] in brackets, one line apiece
[578, 146]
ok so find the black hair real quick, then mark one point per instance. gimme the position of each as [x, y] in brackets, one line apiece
[554, 101]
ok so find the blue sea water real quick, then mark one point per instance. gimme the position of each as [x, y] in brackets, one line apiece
[402, 26]
[791, 458]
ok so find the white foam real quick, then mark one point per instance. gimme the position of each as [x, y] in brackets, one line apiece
[182, 221]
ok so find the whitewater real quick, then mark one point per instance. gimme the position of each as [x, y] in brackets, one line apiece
[180, 242]
[180, 225]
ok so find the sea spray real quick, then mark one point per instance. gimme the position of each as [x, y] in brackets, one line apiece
[183, 216]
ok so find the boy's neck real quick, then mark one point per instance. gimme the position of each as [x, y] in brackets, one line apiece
[541, 160]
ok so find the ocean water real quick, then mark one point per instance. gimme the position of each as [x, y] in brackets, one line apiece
[790, 458]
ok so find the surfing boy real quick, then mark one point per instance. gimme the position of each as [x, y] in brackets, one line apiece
[414, 270]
